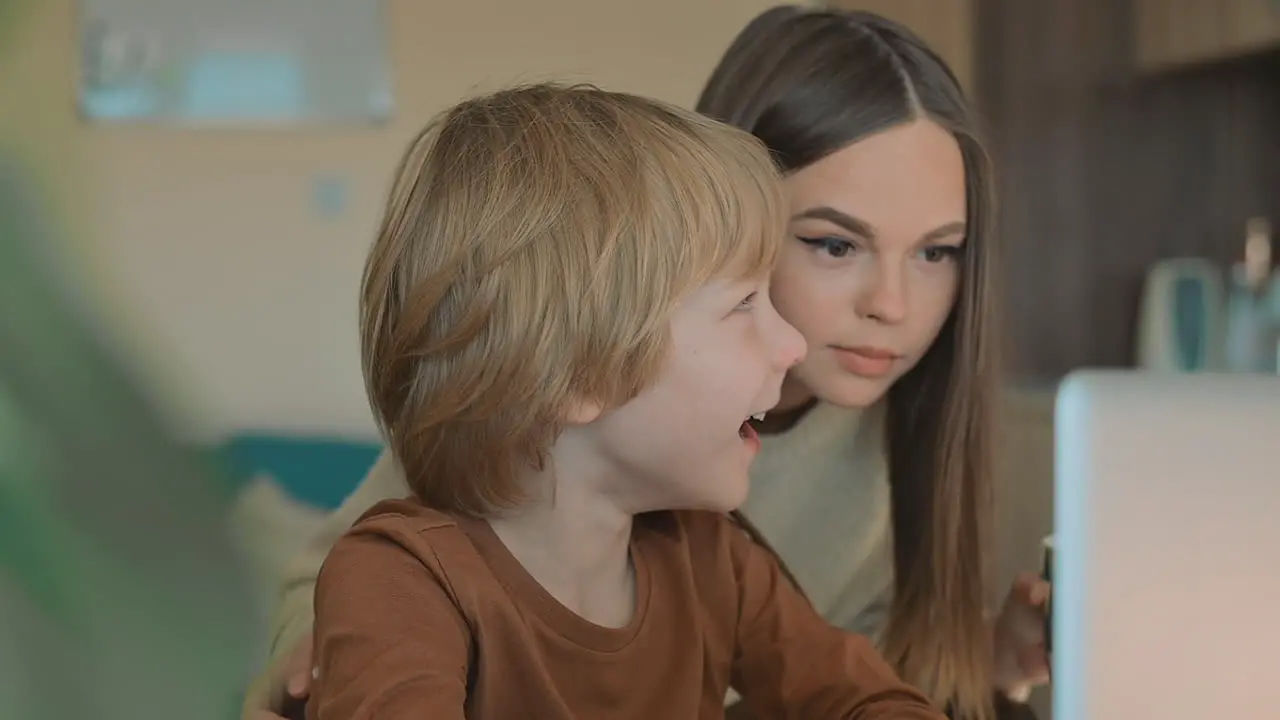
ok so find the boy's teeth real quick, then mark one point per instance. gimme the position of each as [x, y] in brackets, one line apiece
[758, 417]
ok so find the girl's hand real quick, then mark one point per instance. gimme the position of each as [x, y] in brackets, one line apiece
[284, 688]
[1022, 661]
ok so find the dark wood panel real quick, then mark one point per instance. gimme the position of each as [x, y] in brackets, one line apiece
[1105, 171]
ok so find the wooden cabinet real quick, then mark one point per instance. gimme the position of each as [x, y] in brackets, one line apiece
[1251, 24]
[1185, 32]
[947, 25]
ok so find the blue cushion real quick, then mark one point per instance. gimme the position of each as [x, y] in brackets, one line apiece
[319, 471]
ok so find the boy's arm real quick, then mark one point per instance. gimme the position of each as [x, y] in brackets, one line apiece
[790, 662]
[390, 643]
[293, 614]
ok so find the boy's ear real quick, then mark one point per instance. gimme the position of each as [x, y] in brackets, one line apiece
[581, 411]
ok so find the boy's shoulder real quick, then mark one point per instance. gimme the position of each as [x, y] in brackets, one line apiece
[431, 535]
[702, 530]
[716, 545]
[416, 545]
[405, 513]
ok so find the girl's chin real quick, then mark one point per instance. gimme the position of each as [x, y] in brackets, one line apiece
[850, 391]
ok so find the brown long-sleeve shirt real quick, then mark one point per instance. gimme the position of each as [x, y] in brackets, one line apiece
[424, 615]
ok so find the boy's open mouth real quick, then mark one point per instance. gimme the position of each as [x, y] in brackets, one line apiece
[749, 427]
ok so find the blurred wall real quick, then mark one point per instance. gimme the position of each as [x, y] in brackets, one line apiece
[1106, 169]
[210, 254]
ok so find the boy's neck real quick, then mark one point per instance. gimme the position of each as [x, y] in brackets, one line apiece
[575, 541]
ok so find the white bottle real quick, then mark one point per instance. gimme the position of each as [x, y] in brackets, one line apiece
[1251, 342]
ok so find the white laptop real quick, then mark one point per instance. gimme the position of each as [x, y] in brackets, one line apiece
[1166, 598]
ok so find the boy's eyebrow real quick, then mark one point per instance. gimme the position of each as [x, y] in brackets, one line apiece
[863, 229]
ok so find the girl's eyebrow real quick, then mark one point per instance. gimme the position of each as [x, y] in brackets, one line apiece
[863, 229]
[850, 223]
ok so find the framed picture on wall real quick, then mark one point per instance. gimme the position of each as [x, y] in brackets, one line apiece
[234, 63]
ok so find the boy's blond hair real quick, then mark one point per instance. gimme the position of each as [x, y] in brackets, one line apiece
[533, 247]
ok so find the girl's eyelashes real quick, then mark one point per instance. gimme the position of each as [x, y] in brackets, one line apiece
[835, 247]
[838, 247]
[747, 302]
[941, 253]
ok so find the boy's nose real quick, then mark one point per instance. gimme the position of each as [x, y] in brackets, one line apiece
[790, 345]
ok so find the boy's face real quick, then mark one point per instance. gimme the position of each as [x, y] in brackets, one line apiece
[683, 443]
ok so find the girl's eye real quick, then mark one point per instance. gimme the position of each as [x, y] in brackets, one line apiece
[747, 302]
[833, 246]
[941, 253]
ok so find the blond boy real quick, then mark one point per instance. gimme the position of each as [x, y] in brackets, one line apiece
[566, 326]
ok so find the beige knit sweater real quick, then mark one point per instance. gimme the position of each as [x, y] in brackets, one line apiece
[819, 494]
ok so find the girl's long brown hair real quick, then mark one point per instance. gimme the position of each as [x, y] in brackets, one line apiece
[808, 83]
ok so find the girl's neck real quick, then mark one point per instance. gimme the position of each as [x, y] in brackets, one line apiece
[576, 544]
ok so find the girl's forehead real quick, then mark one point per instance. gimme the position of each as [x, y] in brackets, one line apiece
[907, 178]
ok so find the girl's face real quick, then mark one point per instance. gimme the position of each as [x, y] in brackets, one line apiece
[871, 266]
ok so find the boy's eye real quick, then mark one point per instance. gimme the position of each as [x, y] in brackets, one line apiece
[941, 253]
[747, 302]
[833, 246]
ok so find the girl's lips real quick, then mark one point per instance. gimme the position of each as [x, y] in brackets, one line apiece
[865, 362]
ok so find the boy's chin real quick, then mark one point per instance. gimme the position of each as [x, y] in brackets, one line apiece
[728, 498]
